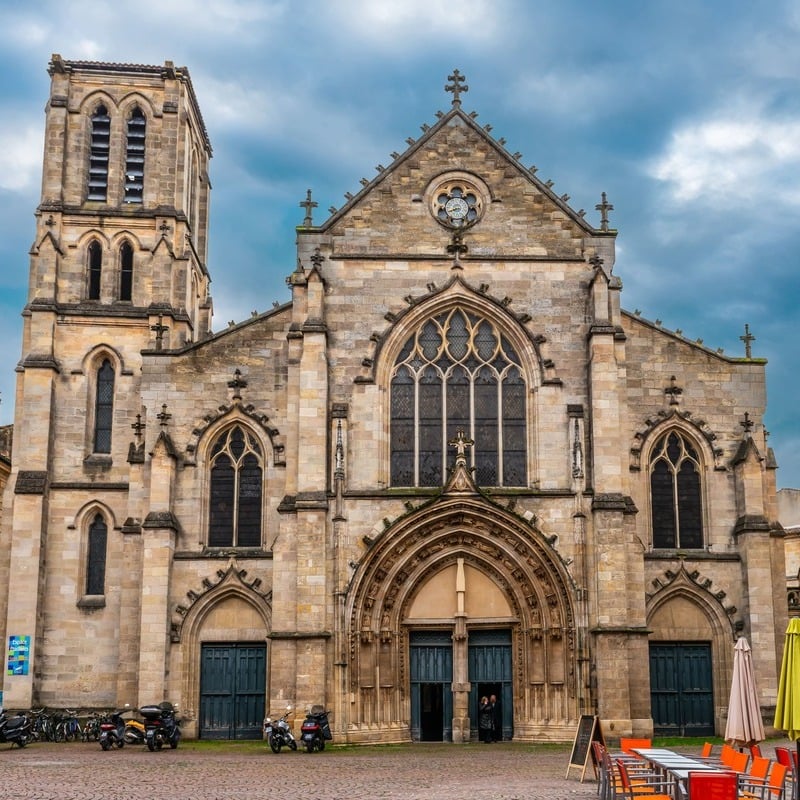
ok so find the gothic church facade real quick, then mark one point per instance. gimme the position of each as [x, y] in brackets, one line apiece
[451, 465]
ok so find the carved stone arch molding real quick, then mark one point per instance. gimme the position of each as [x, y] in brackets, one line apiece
[685, 607]
[697, 429]
[229, 590]
[507, 550]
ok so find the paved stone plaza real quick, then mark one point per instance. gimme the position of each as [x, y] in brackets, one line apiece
[79, 771]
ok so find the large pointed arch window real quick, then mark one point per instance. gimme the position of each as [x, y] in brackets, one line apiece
[98, 154]
[675, 493]
[236, 490]
[104, 408]
[96, 556]
[134, 157]
[458, 371]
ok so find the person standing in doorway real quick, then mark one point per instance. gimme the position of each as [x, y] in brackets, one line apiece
[497, 722]
[485, 721]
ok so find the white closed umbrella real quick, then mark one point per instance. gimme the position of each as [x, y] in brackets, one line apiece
[744, 726]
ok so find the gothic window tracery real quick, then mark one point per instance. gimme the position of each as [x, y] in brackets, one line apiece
[458, 371]
[104, 407]
[96, 556]
[675, 493]
[98, 154]
[235, 497]
[134, 157]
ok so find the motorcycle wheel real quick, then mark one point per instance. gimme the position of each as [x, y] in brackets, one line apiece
[293, 744]
[275, 744]
[22, 741]
[151, 745]
[173, 741]
[310, 747]
[120, 743]
[105, 744]
[321, 744]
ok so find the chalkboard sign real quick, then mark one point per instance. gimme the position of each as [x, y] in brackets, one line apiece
[588, 731]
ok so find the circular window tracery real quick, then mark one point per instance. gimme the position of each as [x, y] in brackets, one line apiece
[457, 204]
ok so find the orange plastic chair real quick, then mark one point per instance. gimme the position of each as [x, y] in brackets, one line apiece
[759, 768]
[627, 744]
[627, 789]
[708, 748]
[734, 760]
[713, 786]
[771, 789]
[755, 751]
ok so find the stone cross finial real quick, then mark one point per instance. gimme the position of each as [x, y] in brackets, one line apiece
[163, 417]
[308, 204]
[747, 423]
[604, 207]
[673, 391]
[138, 428]
[748, 339]
[237, 384]
[456, 86]
[317, 258]
[461, 443]
[159, 330]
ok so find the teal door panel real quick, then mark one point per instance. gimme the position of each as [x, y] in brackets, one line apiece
[431, 670]
[490, 673]
[232, 689]
[681, 692]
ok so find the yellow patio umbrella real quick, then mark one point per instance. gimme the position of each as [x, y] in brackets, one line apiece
[787, 709]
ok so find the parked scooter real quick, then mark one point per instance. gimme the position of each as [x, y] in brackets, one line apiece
[112, 731]
[17, 730]
[161, 726]
[134, 728]
[315, 729]
[279, 733]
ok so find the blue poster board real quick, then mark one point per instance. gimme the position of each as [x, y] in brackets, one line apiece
[19, 655]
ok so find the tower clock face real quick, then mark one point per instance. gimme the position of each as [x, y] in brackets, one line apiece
[457, 204]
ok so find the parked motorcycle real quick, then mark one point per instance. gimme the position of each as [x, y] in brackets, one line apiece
[279, 733]
[17, 730]
[112, 731]
[315, 729]
[161, 726]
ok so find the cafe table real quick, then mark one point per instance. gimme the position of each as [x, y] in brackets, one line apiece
[675, 766]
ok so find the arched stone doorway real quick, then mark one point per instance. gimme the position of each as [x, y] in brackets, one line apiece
[222, 658]
[440, 577]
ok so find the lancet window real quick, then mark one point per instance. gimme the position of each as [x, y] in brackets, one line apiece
[95, 259]
[104, 408]
[96, 556]
[134, 157]
[98, 154]
[458, 371]
[125, 271]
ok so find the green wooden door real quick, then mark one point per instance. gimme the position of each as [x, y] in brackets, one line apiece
[681, 694]
[232, 689]
[431, 661]
[489, 653]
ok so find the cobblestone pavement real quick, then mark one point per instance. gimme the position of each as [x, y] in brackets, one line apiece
[249, 771]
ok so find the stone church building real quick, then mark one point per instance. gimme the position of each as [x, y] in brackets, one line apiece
[450, 466]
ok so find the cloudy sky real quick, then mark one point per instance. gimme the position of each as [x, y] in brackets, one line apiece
[686, 113]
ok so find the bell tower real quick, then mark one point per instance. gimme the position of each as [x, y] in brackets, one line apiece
[117, 267]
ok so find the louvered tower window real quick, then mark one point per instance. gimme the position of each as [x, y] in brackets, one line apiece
[236, 491]
[125, 271]
[104, 408]
[675, 494]
[98, 155]
[95, 269]
[96, 556]
[457, 371]
[134, 157]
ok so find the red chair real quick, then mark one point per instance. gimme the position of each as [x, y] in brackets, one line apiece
[713, 786]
